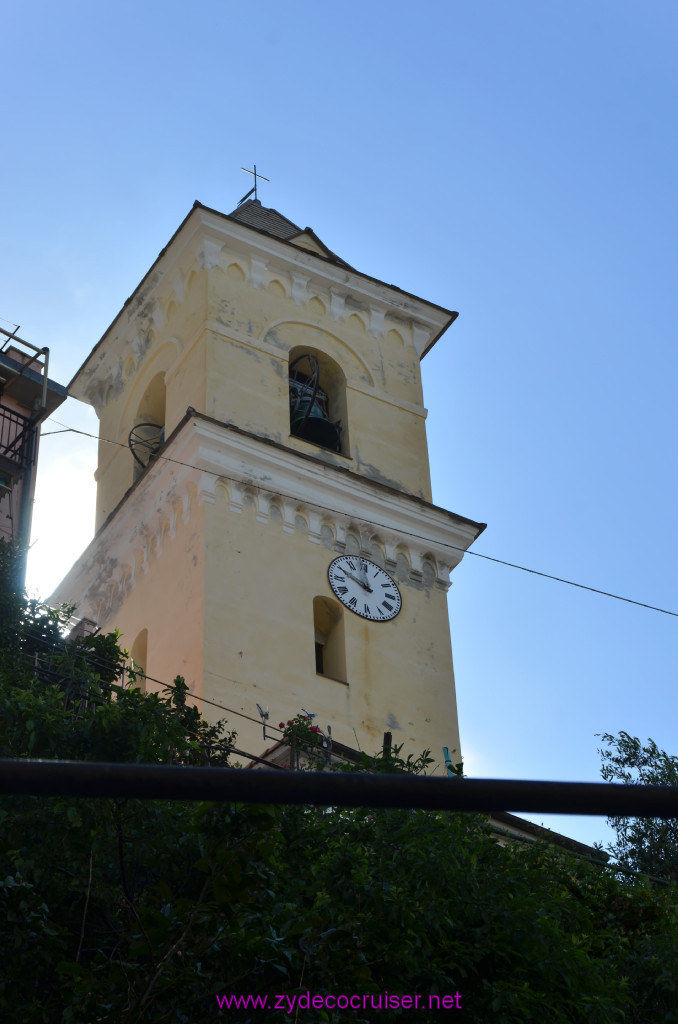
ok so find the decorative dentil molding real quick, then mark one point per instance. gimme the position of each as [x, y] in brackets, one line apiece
[208, 254]
[209, 241]
[341, 511]
[258, 270]
[299, 285]
[337, 305]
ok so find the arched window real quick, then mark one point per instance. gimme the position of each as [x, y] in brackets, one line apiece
[330, 644]
[147, 435]
[318, 400]
[139, 655]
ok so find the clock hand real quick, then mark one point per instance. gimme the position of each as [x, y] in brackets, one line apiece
[360, 583]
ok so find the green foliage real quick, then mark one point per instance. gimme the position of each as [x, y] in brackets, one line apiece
[389, 762]
[648, 845]
[305, 741]
[147, 912]
[62, 698]
[310, 750]
[11, 596]
[143, 912]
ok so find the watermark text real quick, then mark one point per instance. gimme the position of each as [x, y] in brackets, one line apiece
[307, 1000]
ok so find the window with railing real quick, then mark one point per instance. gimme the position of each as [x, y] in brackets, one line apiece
[17, 440]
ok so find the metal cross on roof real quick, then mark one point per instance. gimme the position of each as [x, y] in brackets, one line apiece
[256, 175]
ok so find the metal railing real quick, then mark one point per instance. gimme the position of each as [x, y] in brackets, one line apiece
[35, 359]
[17, 438]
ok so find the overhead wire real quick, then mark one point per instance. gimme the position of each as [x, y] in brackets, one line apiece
[407, 533]
[55, 677]
[102, 663]
[109, 666]
[477, 554]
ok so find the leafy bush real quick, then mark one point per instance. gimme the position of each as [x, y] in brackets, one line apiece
[146, 911]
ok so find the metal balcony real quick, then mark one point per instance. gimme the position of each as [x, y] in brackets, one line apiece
[17, 442]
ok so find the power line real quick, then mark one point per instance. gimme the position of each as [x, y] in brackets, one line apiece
[109, 666]
[407, 533]
[571, 583]
[221, 707]
[59, 678]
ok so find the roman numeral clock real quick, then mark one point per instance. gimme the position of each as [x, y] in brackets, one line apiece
[365, 588]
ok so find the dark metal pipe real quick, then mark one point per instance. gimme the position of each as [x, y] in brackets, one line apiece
[166, 782]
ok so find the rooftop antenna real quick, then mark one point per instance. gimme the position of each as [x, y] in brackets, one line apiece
[11, 324]
[264, 718]
[327, 744]
[256, 175]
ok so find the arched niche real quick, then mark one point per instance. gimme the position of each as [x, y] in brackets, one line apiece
[153, 363]
[276, 288]
[234, 272]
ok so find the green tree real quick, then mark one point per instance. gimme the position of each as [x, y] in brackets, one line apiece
[144, 912]
[647, 845]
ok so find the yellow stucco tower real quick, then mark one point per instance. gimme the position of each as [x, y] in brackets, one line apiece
[264, 522]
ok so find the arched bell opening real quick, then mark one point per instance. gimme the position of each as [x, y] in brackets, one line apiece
[318, 400]
[139, 655]
[147, 435]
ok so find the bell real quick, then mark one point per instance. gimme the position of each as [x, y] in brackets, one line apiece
[310, 422]
[309, 408]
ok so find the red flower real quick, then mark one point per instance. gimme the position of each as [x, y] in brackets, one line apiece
[281, 725]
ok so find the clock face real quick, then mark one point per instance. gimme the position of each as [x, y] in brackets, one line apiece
[365, 588]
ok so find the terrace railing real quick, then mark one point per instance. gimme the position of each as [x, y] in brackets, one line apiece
[17, 440]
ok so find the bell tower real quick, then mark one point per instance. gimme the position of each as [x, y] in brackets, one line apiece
[264, 522]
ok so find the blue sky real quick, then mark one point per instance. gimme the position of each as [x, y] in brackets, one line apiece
[514, 161]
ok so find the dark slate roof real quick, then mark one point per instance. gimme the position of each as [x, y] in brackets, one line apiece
[270, 221]
[273, 223]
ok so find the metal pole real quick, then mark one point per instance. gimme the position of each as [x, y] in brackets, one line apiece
[23, 534]
[340, 789]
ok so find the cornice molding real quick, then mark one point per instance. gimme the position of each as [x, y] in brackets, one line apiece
[208, 240]
[206, 459]
[347, 497]
[239, 240]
